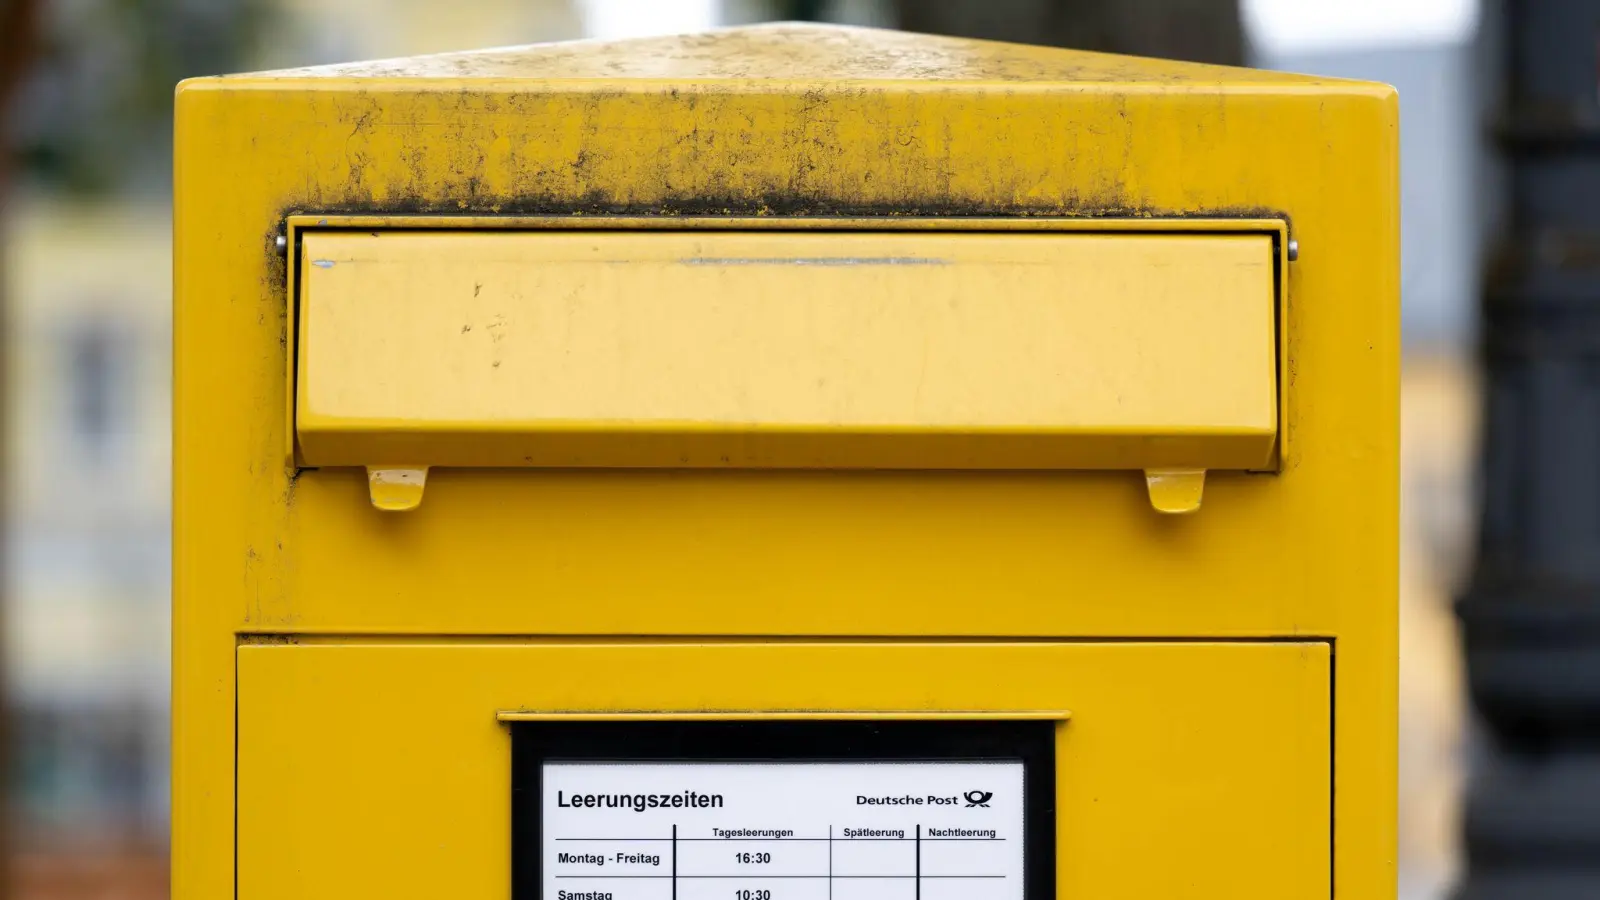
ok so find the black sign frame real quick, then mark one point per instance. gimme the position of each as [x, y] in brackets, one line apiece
[1031, 742]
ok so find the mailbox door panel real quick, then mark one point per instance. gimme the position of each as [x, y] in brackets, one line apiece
[1184, 770]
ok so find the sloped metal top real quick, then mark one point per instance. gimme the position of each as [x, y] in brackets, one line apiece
[791, 52]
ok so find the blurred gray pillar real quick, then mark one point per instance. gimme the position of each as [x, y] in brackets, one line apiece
[1531, 616]
[1207, 31]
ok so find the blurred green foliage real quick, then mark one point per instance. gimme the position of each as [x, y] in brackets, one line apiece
[95, 112]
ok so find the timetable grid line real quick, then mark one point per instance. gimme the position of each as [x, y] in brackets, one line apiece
[918, 890]
[776, 877]
[784, 840]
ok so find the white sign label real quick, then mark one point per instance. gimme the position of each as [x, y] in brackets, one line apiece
[782, 831]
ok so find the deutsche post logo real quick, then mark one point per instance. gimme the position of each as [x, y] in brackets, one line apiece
[978, 798]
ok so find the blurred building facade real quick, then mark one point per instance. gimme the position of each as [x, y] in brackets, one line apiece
[88, 574]
[87, 287]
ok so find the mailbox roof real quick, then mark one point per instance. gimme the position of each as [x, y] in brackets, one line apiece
[794, 52]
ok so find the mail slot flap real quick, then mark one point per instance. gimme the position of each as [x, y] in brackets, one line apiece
[786, 349]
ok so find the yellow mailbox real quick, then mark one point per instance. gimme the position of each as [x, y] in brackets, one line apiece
[747, 466]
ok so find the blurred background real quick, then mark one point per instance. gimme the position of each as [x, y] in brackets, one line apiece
[85, 120]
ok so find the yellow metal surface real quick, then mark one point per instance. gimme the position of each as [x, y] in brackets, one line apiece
[821, 129]
[1176, 491]
[397, 489]
[1213, 756]
[734, 349]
